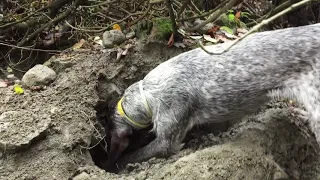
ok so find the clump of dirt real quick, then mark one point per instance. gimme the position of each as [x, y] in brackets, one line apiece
[60, 127]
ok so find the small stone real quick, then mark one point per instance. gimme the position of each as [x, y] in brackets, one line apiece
[10, 76]
[112, 37]
[17, 81]
[38, 75]
[130, 35]
[82, 176]
[204, 29]
[59, 64]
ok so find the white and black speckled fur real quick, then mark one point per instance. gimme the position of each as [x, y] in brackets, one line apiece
[195, 87]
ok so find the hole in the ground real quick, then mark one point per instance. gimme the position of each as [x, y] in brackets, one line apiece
[139, 139]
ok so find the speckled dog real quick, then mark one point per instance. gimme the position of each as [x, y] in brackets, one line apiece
[195, 88]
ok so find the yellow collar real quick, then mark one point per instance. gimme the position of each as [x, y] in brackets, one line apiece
[129, 120]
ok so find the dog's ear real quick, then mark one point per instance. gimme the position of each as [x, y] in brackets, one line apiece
[111, 105]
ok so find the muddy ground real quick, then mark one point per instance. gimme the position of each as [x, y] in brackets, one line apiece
[48, 134]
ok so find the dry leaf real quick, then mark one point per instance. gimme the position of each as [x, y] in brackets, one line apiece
[36, 88]
[171, 40]
[214, 29]
[221, 38]
[182, 32]
[119, 52]
[98, 40]
[241, 32]
[179, 44]
[116, 27]
[231, 36]
[18, 89]
[195, 37]
[78, 45]
[126, 49]
[9, 70]
[238, 14]
[3, 84]
[210, 39]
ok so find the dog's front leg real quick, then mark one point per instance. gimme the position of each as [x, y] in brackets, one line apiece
[157, 148]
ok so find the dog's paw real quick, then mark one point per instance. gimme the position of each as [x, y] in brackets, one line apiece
[299, 113]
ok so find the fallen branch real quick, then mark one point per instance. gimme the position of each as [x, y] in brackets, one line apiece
[206, 13]
[184, 5]
[29, 49]
[273, 12]
[105, 28]
[42, 28]
[215, 15]
[258, 26]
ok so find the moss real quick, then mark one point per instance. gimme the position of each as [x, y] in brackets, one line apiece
[163, 27]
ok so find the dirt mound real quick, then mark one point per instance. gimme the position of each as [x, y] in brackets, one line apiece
[48, 134]
[265, 146]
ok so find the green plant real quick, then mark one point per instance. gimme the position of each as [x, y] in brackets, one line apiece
[234, 21]
[163, 27]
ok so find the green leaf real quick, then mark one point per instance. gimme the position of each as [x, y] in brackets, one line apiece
[231, 17]
[18, 89]
[245, 14]
[225, 28]
[9, 70]
[230, 11]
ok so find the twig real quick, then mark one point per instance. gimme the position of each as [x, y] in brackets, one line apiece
[143, 15]
[54, 21]
[30, 49]
[194, 7]
[273, 11]
[206, 13]
[25, 18]
[105, 28]
[184, 5]
[215, 15]
[171, 13]
[258, 26]
[100, 4]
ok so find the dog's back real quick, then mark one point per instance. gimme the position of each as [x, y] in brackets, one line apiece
[237, 81]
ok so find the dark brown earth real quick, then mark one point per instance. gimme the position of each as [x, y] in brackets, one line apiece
[48, 134]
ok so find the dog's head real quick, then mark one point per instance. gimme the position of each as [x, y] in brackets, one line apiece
[118, 132]
[126, 115]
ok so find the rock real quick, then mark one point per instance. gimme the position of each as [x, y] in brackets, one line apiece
[18, 129]
[10, 76]
[38, 75]
[59, 64]
[82, 176]
[130, 35]
[112, 37]
[205, 28]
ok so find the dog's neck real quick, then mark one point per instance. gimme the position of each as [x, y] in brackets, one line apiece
[129, 119]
